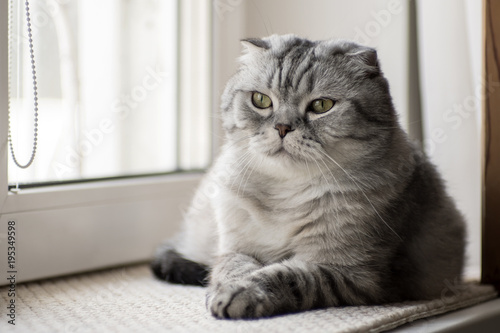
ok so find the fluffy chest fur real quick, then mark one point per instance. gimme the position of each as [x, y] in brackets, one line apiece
[274, 217]
[259, 221]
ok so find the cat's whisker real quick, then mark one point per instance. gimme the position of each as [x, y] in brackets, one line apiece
[240, 160]
[331, 185]
[327, 182]
[243, 160]
[354, 181]
[239, 140]
[218, 136]
[253, 169]
[363, 192]
[246, 167]
[335, 179]
[321, 171]
[307, 165]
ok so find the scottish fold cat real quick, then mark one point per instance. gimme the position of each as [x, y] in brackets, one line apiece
[318, 198]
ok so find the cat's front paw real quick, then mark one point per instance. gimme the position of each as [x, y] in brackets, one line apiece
[239, 300]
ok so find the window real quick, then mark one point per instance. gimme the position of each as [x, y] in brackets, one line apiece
[123, 90]
[107, 91]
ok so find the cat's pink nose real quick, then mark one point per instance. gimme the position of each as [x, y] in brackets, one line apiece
[283, 129]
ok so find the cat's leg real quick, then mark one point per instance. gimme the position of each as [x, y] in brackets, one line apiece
[228, 271]
[186, 258]
[170, 266]
[234, 266]
[286, 287]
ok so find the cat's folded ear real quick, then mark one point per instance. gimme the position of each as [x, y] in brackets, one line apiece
[366, 57]
[255, 44]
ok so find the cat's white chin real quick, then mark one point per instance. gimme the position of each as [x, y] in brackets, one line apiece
[281, 164]
[281, 152]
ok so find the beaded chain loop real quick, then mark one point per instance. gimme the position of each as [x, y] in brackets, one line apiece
[35, 93]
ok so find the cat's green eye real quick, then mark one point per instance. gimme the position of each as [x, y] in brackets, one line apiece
[261, 101]
[321, 105]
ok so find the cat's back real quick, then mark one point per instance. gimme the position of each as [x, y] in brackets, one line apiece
[431, 254]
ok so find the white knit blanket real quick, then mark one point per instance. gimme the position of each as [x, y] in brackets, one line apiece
[131, 300]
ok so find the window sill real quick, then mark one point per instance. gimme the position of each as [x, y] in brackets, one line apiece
[484, 318]
[82, 227]
[87, 193]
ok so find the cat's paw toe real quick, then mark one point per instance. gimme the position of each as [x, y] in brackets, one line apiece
[238, 302]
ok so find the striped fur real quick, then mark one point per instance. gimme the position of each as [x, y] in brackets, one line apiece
[342, 210]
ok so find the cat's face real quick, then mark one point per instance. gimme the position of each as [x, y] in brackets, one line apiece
[294, 102]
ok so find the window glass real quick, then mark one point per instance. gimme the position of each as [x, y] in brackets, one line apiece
[106, 74]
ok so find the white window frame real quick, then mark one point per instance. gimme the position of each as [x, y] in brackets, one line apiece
[79, 227]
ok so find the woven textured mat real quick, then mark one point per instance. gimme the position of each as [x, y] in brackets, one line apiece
[131, 300]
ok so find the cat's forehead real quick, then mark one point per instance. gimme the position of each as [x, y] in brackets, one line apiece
[276, 52]
[289, 65]
[280, 45]
[285, 64]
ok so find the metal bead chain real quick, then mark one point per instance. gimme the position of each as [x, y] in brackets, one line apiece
[35, 92]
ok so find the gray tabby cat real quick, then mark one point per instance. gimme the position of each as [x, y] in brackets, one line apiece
[318, 198]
